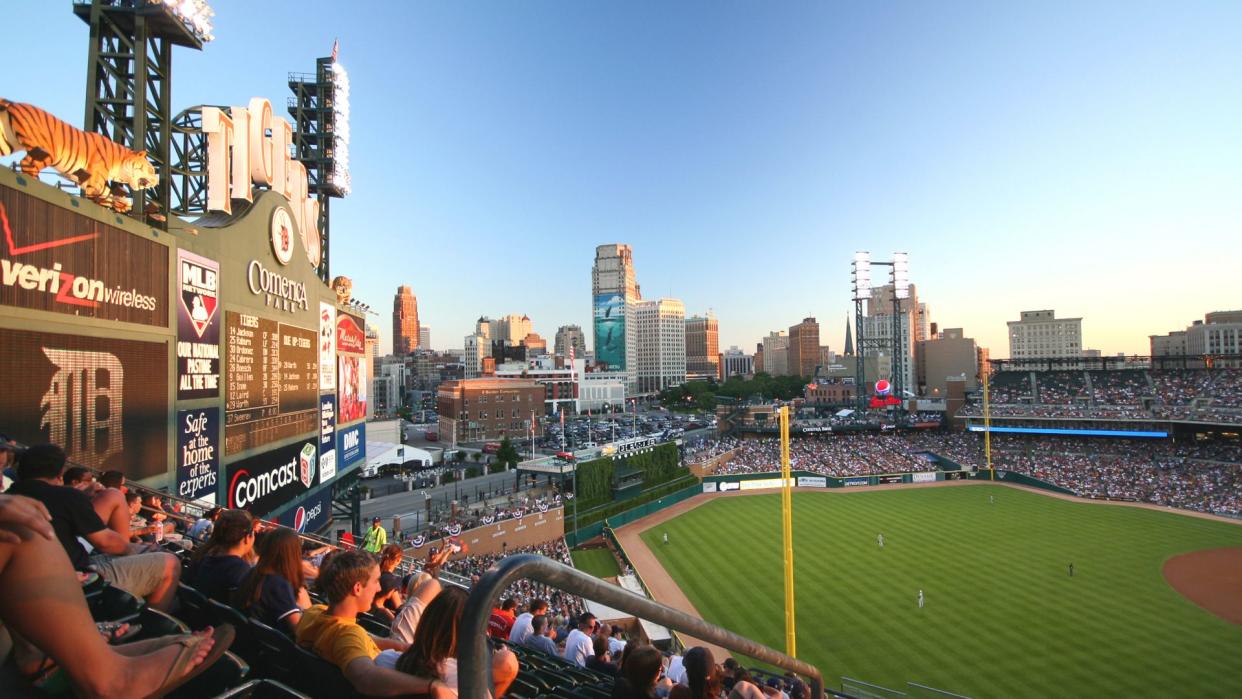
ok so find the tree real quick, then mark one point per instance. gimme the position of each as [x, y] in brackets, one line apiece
[508, 454]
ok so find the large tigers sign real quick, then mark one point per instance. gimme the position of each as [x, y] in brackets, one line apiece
[54, 259]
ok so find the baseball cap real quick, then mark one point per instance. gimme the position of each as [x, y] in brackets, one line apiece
[376, 519]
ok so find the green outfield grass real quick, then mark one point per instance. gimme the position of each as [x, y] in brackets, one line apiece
[1002, 616]
[597, 562]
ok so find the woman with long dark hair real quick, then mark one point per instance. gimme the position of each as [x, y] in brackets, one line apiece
[274, 591]
[434, 650]
[641, 668]
[702, 674]
[219, 566]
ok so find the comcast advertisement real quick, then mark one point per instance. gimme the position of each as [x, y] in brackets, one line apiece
[610, 330]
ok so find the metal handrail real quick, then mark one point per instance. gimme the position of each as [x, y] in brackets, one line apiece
[474, 671]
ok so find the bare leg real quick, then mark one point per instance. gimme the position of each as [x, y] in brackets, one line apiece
[162, 596]
[39, 588]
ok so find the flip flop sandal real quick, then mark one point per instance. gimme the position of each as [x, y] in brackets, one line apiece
[223, 636]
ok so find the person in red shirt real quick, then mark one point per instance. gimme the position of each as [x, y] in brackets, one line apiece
[501, 621]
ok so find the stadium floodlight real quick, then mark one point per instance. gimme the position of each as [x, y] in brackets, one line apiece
[901, 275]
[862, 275]
[194, 14]
[340, 177]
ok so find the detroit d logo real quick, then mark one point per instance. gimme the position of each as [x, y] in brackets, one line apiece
[306, 465]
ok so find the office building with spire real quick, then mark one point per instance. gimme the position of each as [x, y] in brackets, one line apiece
[404, 321]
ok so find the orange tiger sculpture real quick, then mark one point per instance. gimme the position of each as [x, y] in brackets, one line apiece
[87, 158]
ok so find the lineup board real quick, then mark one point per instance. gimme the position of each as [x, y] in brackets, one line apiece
[271, 381]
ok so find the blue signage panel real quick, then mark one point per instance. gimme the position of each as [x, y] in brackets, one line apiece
[198, 453]
[310, 515]
[1078, 433]
[351, 446]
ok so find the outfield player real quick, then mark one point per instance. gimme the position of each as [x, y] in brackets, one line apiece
[920, 599]
[1071, 570]
[666, 538]
[879, 539]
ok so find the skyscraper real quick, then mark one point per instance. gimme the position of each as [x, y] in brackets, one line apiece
[661, 350]
[614, 295]
[849, 338]
[775, 354]
[702, 348]
[804, 348]
[424, 337]
[570, 336]
[404, 321]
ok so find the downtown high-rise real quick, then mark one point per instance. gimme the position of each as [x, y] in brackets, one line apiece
[404, 321]
[614, 299]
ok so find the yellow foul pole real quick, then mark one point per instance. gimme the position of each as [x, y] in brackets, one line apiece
[987, 428]
[791, 643]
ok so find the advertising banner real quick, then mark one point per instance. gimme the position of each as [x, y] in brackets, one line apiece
[923, 477]
[812, 482]
[353, 389]
[352, 446]
[709, 487]
[264, 482]
[198, 453]
[728, 486]
[327, 438]
[889, 478]
[327, 346]
[311, 515]
[765, 483]
[610, 330]
[350, 336]
[58, 260]
[104, 400]
[198, 327]
[851, 482]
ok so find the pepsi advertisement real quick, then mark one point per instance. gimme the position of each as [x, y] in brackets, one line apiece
[352, 446]
[263, 483]
[312, 515]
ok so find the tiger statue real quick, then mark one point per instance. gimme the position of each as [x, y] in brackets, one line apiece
[84, 157]
[344, 288]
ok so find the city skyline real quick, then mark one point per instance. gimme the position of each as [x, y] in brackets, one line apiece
[1022, 165]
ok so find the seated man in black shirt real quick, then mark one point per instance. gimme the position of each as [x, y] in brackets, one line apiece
[152, 576]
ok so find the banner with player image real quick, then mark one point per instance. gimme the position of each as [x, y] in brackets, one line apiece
[353, 388]
[198, 327]
[327, 346]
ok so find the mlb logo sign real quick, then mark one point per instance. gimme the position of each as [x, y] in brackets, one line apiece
[306, 465]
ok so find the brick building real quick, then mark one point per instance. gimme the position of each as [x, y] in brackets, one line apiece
[476, 410]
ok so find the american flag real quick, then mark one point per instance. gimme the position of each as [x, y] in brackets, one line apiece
[336, 49]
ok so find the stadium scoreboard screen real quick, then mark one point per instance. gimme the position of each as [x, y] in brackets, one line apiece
[272, 381]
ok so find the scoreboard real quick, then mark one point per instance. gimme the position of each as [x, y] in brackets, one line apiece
[272, 381]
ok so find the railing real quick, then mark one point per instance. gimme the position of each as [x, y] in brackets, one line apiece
[474, 666]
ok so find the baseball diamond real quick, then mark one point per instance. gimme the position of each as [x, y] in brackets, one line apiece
[1001, 618]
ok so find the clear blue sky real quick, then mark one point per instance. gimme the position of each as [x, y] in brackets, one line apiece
[1085, 157]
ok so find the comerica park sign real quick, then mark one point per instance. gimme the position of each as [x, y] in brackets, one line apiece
[249, 146]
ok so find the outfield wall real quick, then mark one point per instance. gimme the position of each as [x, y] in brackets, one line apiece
[809, 479]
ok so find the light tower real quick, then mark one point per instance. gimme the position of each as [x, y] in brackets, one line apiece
[899, 277]
[320, 111]
[129, 79]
